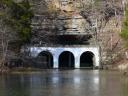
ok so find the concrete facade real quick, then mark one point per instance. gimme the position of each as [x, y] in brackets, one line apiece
[76, 51]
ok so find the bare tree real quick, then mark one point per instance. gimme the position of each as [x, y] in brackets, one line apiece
[105, 16]
[7, 36]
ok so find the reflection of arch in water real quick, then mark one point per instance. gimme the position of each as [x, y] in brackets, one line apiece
[87, 60]
[44, 60]
[66, 60]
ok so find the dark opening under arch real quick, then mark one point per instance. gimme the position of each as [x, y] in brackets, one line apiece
[86, 60]
[66, 60]
[44, 60]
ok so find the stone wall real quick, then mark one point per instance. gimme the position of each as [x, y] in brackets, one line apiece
[76, 51]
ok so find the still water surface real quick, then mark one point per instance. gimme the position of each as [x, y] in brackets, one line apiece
[64, 83]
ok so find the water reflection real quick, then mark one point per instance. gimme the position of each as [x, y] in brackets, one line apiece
[64, 83]
[76, 81]
[55, 80]
[124, 91]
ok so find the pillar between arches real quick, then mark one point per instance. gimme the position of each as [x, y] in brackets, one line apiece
[55, 61]
[77, 60]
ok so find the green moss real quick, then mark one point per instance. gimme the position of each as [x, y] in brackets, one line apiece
[6, 2]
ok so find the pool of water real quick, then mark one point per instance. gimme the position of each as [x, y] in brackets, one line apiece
[64, 83]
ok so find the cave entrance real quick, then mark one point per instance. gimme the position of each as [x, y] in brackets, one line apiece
[86, 60]
[44, 60]
[66, 60]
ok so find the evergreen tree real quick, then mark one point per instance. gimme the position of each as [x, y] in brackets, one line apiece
[124, 33]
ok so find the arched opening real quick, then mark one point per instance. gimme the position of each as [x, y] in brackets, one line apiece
[44, 60]
[86, 60]
[66, 60]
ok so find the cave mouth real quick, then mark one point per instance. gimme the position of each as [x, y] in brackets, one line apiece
[66, 60]
[44, 60]
[86, 60]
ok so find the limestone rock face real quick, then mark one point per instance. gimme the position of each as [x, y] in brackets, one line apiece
[87, 22]
[54, 18]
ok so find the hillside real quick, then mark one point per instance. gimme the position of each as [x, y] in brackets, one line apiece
[102, 19]
[42, 22]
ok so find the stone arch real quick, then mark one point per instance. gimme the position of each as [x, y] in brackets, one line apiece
[66, 60]
[87, 60]
[44, 60]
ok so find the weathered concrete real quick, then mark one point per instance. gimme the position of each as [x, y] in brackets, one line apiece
[75, 50]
